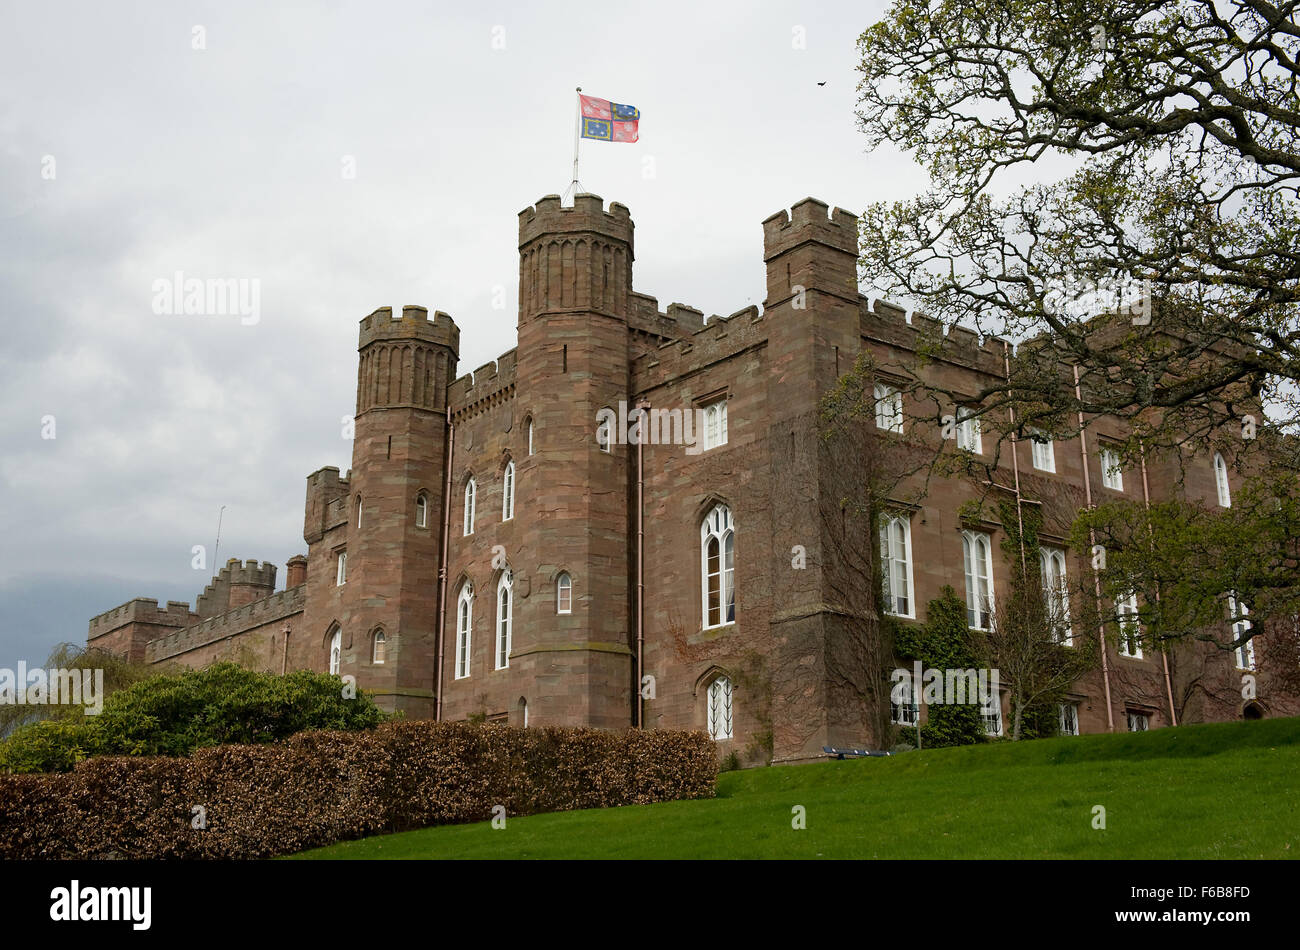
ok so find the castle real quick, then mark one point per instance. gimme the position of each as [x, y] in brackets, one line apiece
[501, 549]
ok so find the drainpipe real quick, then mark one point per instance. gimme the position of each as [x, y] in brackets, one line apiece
[1164, 657]
[442, 566]
[1015, 467]
[641, 408]
[1092, 539]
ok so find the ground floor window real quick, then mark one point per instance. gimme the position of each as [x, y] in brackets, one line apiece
[720, 708]
[1069, 719]
[1138, 721]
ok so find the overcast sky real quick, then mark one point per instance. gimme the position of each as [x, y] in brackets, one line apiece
[127, 155]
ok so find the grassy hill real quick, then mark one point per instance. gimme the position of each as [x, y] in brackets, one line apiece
[1206, 791]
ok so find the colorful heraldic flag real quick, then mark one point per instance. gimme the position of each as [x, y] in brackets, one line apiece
[608, 121]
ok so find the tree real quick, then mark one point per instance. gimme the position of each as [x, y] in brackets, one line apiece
[1031, 640]
[1164, 139]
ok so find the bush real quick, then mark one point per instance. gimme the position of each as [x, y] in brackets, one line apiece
[174, 714]
[317, 788]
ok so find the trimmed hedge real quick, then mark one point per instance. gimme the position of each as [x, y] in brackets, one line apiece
[321, 787]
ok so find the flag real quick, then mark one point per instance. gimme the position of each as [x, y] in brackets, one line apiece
[608, 121]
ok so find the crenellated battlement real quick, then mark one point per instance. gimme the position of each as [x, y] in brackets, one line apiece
[719, 338]
[141, 610]
[236, 584]
[586, 214]
[326, 506]
[230, 623]
[498, 376]
[810, 220]
[885, 322]
[414, 324]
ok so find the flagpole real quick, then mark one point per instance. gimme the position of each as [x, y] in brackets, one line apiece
[577, 137]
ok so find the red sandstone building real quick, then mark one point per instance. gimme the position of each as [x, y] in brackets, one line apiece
[500, 549]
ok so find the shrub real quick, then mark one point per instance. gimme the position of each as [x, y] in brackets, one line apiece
[174, 714]
[320, 787]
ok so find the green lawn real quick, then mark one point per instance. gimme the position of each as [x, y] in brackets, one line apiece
[1207, 791]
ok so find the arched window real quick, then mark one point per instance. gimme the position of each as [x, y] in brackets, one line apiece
[523, 711]
[1221, 481]
[464, 618]
[470, 492]
[605, 420]
[377, 647]
[358, 512]
[505, 608]
[1056, 592]
[564, 594]
[717, 567]
[530, 435]
[720, 708]
[336, 651]
[978, 555]
[1238, 617]
[422, 510]
[896, 564]
[508, 492]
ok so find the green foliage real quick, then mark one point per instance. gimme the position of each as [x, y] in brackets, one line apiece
[51, 745]
[173, 714]
[942, 642]
[118, 674]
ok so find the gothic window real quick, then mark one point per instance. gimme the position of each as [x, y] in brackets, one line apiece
[464, 619]
[1130, 628]
[378, 647]
[720, 708]
[715, 425]
[1239, 617]
[896, 564]
[978, 555]
[336, 651]
[471, 490]
[1221, 481]
[717, 565]
[508, 492]
[564, 594]
[1056, 592]
[505, 609]
[421, 510]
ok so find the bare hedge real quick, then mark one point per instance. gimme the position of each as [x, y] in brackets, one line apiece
[320, 787]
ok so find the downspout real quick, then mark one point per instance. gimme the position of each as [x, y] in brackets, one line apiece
[1015, 468]
[641, 407]
[442, 566]
[1092, 539]
[1018, 712]
[1164, 657]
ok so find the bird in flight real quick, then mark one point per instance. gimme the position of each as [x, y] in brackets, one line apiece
[821, 84]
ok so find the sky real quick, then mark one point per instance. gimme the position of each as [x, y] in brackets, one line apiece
[340, 157]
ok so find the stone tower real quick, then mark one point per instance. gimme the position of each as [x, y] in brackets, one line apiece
[575, 283]
[399, 452]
